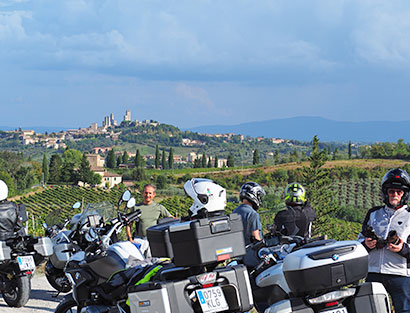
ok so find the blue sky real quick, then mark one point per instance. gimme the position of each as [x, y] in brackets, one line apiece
[201, 62]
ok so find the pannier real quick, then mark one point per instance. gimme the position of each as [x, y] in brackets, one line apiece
[199, 242]
[174, 296]
[4, 251]
[316, 267]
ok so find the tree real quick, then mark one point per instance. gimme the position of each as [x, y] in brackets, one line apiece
[110, 160]
[163, 160]
[255, 160]
[203, 160]
[125, 157]
[171, 158]
[230, 161]
[119, 160]
[161, 182]
[276, 157]
[209, 162]
[350, 150]
[4, 176]
[84, 172]
[55, 168]
[156, 156]
[320, 194]
[45, 169]
[139, 161]
[216, 162]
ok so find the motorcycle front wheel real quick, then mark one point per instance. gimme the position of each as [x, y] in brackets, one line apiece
[17, 291]
[59, 282]
[67, 305]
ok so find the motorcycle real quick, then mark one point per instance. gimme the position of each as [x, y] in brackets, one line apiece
[300, 275]
[19, 256]
[65, 243]
[87, 270]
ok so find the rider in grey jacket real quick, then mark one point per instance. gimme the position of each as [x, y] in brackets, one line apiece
[389, 257]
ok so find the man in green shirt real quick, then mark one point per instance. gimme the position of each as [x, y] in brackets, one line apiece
[150, 213]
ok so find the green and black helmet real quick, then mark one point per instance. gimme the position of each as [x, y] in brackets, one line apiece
[295, 193]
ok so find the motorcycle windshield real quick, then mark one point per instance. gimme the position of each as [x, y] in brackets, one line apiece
[104, 210]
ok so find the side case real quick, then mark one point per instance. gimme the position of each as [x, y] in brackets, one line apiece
[370, 297]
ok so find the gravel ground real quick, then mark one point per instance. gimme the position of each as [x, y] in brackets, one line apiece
[42, 298]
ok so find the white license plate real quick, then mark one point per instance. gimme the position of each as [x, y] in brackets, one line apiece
[212, 299]
[26, 262]
[338, 310]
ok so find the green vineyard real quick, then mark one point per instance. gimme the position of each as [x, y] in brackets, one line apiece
[353, 198]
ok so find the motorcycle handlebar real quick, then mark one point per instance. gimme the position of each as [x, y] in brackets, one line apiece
[131, 217]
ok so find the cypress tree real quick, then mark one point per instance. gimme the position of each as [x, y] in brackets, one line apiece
[230, 161]
[110, 161]
[157, 156]
[45, 168]
[350, 150]
[163, 160]
[256, 159]
[55, 168]
[203, 160]
[125, 157]
[216, 162]
[171, 158]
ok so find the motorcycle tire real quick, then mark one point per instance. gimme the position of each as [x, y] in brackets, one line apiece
[18, 291]
[59, 282]
[67, 305]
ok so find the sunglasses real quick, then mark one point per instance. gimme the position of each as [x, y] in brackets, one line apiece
[394, 191]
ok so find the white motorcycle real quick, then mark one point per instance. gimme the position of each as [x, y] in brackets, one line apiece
[320, 276]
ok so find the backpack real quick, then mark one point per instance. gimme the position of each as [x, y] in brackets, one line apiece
[12, 217]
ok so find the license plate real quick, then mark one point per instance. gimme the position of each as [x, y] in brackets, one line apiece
[338, 310]
[26, 262]
[212, 300]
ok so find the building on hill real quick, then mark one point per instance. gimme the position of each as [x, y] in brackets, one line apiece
[108, 179]
[95, 160]
[127, 116]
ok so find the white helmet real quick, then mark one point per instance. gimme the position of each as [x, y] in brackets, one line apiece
[4, 191]
[208, 197]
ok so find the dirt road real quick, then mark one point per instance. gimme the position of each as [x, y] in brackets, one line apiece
[41, 298]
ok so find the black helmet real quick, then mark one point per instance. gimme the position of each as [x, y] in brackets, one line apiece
[398, 179]
[253, 192]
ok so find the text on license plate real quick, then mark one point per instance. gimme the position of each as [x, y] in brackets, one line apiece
[212, 300]
[338, 310]
[26, 262]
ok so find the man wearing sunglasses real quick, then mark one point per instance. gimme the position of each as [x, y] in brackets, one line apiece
[389, 252]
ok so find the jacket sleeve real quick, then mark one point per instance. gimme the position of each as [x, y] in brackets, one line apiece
[405, 251]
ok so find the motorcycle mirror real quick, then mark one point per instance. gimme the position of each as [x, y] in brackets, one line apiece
[45, 225]
[131, 203]
[126, 195]
[77, 205]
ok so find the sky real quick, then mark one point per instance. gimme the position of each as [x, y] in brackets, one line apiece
[200, 62]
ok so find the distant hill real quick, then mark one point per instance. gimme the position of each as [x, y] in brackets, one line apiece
[304, 128]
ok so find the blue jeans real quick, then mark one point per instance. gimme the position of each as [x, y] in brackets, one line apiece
[397, 286]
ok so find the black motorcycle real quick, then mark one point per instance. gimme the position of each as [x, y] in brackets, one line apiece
[19, 256]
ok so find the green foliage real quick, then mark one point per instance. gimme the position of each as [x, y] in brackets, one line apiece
[163, 160]
[110, 161]
[161, 182]
[125, 157]
[171, 158]
[45, 168]
[318, 186]
[55, 171]
[156, 156]
[139, 160]
[256, 158]
[230, 161]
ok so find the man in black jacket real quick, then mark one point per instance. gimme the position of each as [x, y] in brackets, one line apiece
[298, 217]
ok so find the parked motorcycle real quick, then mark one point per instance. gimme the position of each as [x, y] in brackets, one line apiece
[87, 270]
[19, 256]
[299, 275]
[65, 243]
